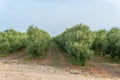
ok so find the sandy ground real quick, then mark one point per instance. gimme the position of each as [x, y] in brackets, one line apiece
[39, 72]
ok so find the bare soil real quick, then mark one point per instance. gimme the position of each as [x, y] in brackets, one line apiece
[56, 67]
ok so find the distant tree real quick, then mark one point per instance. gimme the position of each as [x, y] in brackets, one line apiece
[113, 43]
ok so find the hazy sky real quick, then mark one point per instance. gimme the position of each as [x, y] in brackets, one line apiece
[55, 16]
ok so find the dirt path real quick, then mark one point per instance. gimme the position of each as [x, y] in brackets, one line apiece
[55, 57]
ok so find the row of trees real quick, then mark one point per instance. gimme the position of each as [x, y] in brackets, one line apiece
[80, 42]
[108, 43]
[37, 41]
[11, 41]
[77, 41]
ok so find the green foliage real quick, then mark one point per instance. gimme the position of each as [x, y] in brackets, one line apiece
[3, 55]
[38, 40]
[11, 41]
[77, 41]
[108, 43]
[100, 41]
[113, 43]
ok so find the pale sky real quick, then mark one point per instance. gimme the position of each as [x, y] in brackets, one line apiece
[55, 16]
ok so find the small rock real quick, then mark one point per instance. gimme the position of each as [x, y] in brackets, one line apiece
[74, 72]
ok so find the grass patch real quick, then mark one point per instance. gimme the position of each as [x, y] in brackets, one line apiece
[36, 59]
[3, 55]
[55, 60]
[115, 60]
[73, 60]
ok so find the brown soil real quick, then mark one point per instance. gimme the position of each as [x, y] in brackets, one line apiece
[55, 57]
[104, 67]
[17, 57]
[46, 60]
